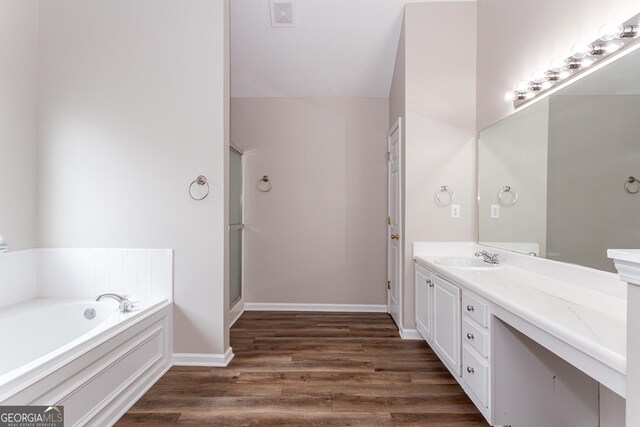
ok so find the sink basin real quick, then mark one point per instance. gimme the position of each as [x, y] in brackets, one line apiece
[466, 263]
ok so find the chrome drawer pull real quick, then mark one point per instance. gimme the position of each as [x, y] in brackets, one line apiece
[470, 308]
[470, 370]
[470, 336]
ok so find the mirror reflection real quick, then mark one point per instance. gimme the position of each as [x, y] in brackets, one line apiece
[557, 178]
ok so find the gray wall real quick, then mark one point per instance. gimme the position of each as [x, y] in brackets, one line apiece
[318, 237]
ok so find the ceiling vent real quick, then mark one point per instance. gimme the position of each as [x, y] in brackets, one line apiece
[282, 13]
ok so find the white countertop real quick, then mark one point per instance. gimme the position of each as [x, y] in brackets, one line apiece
[593, 321]
[629, 255]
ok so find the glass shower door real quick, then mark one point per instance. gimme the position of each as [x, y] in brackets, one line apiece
[236, 225]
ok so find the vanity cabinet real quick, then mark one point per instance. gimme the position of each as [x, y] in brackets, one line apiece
[438, 316]
[455, 323]
[517, 372]
[446, 322]
[424, 302]
[476, 350]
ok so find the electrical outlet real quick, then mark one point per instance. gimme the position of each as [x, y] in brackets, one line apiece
[495, 211]
[455, 211]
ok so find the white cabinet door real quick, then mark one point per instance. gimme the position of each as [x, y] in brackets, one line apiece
[446, 322]
[424, 304]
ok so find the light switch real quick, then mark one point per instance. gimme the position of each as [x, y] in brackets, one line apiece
[455, 211]
[495, 211]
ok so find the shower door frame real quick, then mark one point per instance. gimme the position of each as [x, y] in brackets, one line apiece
[234, 227]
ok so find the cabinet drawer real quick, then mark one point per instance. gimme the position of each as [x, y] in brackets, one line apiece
[476, 336]
[475, 373]
[475, 308]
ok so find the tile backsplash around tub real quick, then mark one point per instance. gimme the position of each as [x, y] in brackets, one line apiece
[18, 276]
[85, 273]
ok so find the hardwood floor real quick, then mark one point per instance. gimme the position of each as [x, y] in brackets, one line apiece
[312, 369]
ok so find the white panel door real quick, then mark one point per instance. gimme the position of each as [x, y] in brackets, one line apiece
[394, 208]
[446, 322]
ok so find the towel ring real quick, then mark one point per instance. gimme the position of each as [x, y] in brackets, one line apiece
[630, 181]
[200, 180]
[507, 189]
[264, 184]
[447, 190]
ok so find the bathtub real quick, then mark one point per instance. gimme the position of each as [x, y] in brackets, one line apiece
[95, 367]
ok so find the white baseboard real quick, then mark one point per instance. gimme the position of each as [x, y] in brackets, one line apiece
[410, 334]
[352, 308]
[203, 359]
[236, 312]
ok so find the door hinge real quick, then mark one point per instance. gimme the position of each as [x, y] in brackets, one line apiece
[388, 156]
[388, 284]
[389, 220]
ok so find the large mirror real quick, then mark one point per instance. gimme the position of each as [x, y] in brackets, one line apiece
[555, 178]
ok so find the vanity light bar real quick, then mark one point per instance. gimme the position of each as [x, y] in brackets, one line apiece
[612, 39]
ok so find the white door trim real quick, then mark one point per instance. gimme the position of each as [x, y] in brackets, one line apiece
[397, 126]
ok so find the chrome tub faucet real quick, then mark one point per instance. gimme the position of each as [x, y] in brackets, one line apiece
[124, 304]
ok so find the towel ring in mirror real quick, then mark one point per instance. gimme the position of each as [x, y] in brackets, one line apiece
[501, 199]
[632, 186]
[200, 180]
[264, 184]
[445, 190]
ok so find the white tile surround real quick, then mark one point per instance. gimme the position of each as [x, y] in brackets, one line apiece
[18, 276]
[85, 273]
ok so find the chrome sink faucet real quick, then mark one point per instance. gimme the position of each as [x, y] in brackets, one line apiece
[488, 257]
[123, 300]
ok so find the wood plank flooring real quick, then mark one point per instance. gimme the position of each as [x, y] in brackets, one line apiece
[312, 369]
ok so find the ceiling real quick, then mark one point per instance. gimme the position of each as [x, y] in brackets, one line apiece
[338, 48]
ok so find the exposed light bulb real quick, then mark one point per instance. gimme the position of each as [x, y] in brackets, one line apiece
[609, 31]
[557, 64]
[546, 85]
[508, 97]
[613, 46]
[551, 76]
[564, 74]
[522, 86]
[629, 31]
[539, 76]
[581, 49]
[586, 62]
[573, 64]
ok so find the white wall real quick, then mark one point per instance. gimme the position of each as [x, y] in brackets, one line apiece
[18, 158]
[397, 98]
[319, 235]
[131, 109]
[439, 102]
[517, 37]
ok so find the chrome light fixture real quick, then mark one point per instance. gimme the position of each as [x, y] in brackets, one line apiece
[612, 38]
